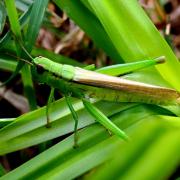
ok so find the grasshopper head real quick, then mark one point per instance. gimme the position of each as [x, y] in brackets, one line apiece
[43, 62]
[39, 61]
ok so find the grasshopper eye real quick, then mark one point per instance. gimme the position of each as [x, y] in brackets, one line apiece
[40, 69]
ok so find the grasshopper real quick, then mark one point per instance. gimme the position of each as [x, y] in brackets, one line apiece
[104, 87]
[87, 85]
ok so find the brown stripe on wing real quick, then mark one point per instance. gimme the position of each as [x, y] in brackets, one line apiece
[100, 80]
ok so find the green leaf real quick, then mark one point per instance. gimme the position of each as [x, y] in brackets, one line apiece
[26, 74]
[29, 129]
[95, 146]
[2, 170]
[5, 122]
[22, 20]
[13, 18]
[133, 158]
[36, 18]
[81, 15]
[134, 35]
[23, 5]
[2, 16]
[7, 63]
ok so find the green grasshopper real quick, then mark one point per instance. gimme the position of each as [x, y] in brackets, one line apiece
[153, 94]
[86, 84]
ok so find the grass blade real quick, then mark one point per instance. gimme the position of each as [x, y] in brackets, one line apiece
[13, 18]
[141, 153]
[63, 162]
[81, 15]
[35, 21]
[55, 160]
[2, 16]
[22, 20]
[131, 24]
[26, 74]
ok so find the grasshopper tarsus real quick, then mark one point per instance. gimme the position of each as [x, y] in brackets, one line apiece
[75, 140]
[48, 125]
[75, 146]
[109, 132]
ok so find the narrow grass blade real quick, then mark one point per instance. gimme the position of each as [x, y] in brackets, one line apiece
[36, 18]
[13, 18]
[7, 64]
[37, 13]
[7, 37]
[2, 170]
[19, 66]
[26, 74]
[2, 16]
[23, 5]
[15, 27]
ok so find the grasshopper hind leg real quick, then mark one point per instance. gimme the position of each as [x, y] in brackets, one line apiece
[50, 100]
[75, 117]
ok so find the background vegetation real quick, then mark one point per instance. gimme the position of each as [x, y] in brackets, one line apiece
[77, 32]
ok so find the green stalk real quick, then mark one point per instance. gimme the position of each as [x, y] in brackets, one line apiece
[26, 73]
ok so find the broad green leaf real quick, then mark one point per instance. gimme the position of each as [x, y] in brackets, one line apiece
[29, 129]
[5, 122]
[81, 15]
[88, 137]
[134, 35]
[142, 153]
[95, 147]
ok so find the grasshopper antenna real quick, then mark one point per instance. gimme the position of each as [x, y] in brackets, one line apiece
[23, 48]
[21, 59]
[26, 61]
[26, 52]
